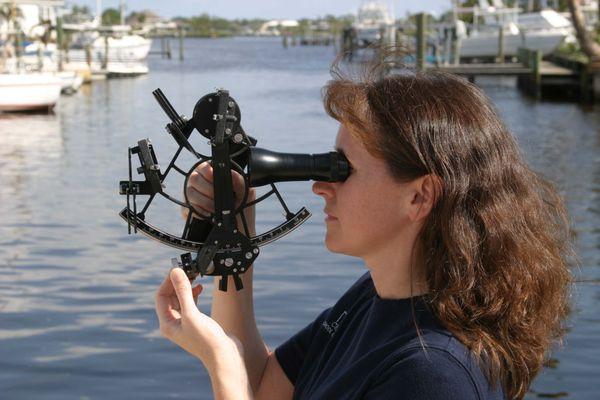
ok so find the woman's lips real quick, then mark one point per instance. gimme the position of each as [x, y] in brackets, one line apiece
[329, 217]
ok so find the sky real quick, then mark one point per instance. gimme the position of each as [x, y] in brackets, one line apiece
[267, 9]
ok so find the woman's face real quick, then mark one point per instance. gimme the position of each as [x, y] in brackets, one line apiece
[365, 214]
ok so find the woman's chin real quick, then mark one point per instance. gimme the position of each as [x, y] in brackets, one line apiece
[334, 245]
[330, 243]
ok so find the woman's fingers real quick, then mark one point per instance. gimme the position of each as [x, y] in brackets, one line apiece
[196, 290]
[200, 190]
[201, 202]
[206, 170]
[239, 186]
[167, 303]
[199, 183]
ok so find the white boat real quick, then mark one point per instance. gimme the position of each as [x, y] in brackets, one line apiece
[544, 30]
[373, 23]
[71, 80]
[29, 91]
[126, 48]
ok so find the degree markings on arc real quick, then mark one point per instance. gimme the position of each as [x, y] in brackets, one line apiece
[189, 245]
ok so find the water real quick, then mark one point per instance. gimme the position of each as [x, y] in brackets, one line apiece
[77, 314]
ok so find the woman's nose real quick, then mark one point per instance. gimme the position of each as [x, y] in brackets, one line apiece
[324, 189]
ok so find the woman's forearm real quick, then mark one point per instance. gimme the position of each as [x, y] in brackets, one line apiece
[234, 311]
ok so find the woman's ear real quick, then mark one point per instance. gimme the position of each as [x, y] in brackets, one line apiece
[425, 192]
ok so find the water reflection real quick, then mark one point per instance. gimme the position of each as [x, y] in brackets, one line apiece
[76, 292]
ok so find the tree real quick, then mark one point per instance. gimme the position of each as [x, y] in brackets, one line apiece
[80, 10]
[587, 43]
[111, 16]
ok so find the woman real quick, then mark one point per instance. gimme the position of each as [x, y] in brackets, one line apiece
[466, 250]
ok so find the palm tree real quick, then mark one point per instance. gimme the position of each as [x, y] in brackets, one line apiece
[10, 13]
[589, 46]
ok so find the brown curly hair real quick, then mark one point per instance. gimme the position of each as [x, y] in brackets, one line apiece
[496, 246]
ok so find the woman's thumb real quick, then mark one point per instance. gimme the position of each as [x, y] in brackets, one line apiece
[183, 290]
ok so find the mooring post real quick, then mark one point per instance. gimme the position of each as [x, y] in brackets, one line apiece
[500, 44]
[448, 35]
[536, 64]
[105, 61]
[59, 40]
[421, 22]
[596, 86]
[521, 56]
[180, 34]
[285, 40]
[456, 44]
[585, 84]
[168, 47]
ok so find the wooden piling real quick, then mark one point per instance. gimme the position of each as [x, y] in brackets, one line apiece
[180, 34]
[59, 41]
[531, 83]
[105, 60]
[420, 50]
[500, 44]
[536, 76]
[456, 45]
[449, 34]
[585, 85]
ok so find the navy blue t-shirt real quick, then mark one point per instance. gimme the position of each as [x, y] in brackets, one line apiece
[365, 347]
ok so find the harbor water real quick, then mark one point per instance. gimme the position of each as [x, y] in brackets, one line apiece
[77, 316]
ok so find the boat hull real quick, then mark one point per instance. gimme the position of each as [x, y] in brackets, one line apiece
[128, 49]
[28, 92]
[488, 46]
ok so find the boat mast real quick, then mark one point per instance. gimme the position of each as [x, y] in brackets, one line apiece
[98, 12]
[122, 11]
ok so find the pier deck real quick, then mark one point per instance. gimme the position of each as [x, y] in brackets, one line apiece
[503, 69]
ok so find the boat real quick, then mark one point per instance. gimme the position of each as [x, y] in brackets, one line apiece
[544, 30]
[71, 80]
[373, 23]
[91, 42]
[29, 91]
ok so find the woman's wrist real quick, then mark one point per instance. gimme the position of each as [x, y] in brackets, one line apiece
[227, 371]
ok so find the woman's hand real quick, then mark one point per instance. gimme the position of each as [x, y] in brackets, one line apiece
[184, 324]
[200, 193]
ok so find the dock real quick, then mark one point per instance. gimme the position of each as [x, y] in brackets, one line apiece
[504, 69]
[555, 76]
[536, 77]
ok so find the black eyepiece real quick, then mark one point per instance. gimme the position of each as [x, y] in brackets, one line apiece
[267, 167]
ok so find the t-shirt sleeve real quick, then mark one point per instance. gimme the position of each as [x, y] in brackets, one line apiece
[291, 353]
[430, 375]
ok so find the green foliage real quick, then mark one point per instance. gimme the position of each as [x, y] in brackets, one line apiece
[80, 10]
[9, 12]
[111, 16]
[208, 26]
[138, 17]
[574, 51]
[563, 5]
